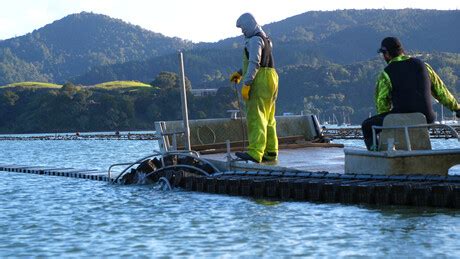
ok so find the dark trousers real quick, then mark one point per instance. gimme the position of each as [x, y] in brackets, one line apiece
[366, 126]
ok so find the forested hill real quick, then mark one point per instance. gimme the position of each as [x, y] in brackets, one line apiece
[327, 63]
[348, 36]
[72, 45]
[312, 38]
[78, 44]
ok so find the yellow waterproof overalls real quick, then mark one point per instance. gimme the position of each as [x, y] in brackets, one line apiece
[260, 113]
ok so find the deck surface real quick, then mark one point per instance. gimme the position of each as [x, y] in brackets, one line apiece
[311, 159]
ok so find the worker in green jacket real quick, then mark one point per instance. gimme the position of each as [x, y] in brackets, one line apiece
[405, 86]
[260, 89]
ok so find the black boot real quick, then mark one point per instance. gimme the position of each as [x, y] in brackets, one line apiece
[270, 157]
[245, 156]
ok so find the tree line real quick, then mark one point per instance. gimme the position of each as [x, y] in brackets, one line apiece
[330, 90]
[75, 108]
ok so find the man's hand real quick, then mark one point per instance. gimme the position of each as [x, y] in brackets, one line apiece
[235, 77]
[245, 92]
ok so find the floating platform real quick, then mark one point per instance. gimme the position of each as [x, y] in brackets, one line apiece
[436, 191]
[312, 177]
[89, 174]
[314, 174]
[82, 136]
[305, 182]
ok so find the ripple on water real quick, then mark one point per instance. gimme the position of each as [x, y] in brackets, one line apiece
[54, 216]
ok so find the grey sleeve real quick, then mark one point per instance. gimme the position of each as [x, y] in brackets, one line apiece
[254, 46]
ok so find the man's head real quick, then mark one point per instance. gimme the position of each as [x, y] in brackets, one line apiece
[248, 25]
[391, 47]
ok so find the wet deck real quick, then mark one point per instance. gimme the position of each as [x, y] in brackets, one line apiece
[331, 160]
[307, 159]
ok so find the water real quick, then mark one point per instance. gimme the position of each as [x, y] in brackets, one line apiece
[45, 216]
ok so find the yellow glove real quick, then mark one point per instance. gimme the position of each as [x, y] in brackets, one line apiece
[245, 92]
[235, 77]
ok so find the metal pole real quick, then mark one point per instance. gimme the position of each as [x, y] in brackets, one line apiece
[406, 134]
[184, 102]
[442, 114]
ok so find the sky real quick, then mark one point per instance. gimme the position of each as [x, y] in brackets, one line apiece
[194, 20]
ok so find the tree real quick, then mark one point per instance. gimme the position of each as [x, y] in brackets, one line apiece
[10, 98]
[309, 107]
[69, 89]
[168, 80]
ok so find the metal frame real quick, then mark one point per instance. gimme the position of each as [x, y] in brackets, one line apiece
[156, 153]
[186, 153]
[406, 132]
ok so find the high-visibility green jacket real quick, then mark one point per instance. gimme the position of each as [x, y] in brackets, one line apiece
[438, 89]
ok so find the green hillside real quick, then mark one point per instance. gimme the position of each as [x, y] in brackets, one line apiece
[32, 85]
[74, 44]
[327, 63]
[108, 107]
[347, 36]
[312, 38]
[117, 85]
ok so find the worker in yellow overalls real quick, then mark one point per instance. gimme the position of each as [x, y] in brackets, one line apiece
[260, 89]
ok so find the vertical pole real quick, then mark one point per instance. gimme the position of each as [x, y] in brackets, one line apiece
[184, 102]
[406, 135]
[374, 139]
[228, 156]
[442, 114]
[166, 144]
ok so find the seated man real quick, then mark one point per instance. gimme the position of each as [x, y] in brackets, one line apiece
[405, 86]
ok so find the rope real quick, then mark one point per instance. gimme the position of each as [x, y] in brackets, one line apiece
[198, 135]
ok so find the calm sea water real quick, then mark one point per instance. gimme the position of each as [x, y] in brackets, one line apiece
[45, 216]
